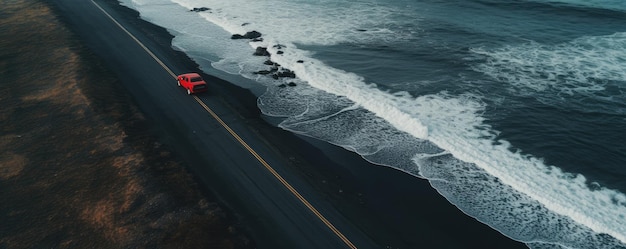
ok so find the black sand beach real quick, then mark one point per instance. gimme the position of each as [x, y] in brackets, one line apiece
[142, 135]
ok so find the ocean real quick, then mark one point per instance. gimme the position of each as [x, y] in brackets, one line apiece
[514, 111]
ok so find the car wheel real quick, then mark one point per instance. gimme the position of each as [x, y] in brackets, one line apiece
[188, 91]
[178, 82]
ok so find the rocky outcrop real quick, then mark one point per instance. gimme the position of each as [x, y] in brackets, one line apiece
[286, 73]
[275, 71]
[288, 84]
[201, 9]
[261, 51]
[263, 72]
[249, 35]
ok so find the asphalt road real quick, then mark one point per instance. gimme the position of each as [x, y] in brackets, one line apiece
[217, 157]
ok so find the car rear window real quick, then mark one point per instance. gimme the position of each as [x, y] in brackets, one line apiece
[196, 79]
[199, 87]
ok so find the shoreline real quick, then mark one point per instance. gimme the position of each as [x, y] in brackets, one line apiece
[385, 203]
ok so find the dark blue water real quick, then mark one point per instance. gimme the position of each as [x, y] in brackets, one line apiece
[572, 122]
[581, 132]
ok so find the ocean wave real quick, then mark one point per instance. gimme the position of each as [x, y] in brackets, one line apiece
[587, 67]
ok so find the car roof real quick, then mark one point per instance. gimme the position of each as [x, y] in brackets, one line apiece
[190, 75]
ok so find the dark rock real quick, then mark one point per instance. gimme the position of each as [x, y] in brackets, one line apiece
[261, 51]
[300, 61]
[263, 72]
[257, 39]
[282, 85]
[279, 46]
[274, 69]
[286, 73]
[268, 62]
[245, 23]
[252, 34]
[275, 76]
[361, 30]
[280, 52]
[237, 36]
[200, 9]
[292, 83]
[248, 35]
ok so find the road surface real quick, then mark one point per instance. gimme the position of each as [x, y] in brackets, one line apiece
[221, 149]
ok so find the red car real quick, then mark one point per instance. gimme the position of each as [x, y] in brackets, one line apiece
[192, 82]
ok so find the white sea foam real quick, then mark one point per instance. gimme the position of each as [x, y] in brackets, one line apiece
[551, 192]
[519, 216]
[586, 67]
[321, 22]
[441, 137]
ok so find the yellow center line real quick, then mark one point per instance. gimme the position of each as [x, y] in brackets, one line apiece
[280, 178]
[240, 140]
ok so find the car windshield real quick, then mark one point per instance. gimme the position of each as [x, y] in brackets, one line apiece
[196, 79]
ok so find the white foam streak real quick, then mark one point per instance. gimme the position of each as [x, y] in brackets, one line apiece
[602, 211]
[330, 22]
[582, 66]
[215, 16]
[352, 86]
